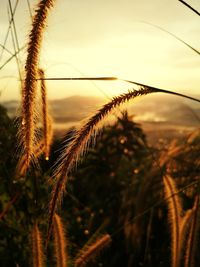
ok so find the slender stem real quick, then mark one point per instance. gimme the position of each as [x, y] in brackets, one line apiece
[190, 7]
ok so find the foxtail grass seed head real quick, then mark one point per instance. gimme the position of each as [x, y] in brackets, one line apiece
[175, 211]
[38, 256]
[80, 143]
[28, 129]
[192, 242]
[46, 119]
[59, 242]
[91, 252]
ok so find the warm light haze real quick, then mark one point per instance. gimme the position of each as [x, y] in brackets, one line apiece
[108, 38]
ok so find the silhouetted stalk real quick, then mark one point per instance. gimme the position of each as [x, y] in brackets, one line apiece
[190, 7]
[173, 35]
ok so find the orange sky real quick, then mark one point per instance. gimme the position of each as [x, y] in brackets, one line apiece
[109, 38]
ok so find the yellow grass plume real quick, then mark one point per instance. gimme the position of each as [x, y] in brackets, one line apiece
[191, 247]
[81, 141]
[90, 252]
[38, 259]
[59, 242]
[47, 129]
[28, 129]
[175, 210]
[178, 219]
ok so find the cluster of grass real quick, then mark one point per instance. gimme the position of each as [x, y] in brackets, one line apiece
[34, 141]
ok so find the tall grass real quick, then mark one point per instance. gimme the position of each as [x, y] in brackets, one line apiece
[82, 139]
[46, 119]
[59, 242]
[29, 114]
[193, 235]
[33, 148]
[38, 258]
[88, 253]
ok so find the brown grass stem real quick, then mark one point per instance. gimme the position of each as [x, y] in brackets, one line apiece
[190, 7]
[9, 27]
[9, 205]
[159, 90]
[10, 58]
[173, 35]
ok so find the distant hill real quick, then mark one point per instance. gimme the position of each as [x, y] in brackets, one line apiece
[151, 109]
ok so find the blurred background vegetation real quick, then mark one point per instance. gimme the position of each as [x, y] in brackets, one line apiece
[114, 190]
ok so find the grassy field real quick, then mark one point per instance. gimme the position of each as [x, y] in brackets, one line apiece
[112, 183]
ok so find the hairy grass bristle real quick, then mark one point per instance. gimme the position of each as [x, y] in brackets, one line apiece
[91, 252]
[79, 144]
[59, 242]
[46, 120]
[38, 258]
[175, 210]
[191, 246]
[28, 127]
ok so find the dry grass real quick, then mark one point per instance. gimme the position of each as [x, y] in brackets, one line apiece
[179, 221]
[38, 259]
[59, 242]
[46, 119]
[32, 148]
[28, 127]
[80, 143]
[90, 252]
[193, 235]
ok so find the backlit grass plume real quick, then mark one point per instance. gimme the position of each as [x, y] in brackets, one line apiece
[175, 210]
[192, 241]
[90, 252]
[81, 141]
[27, 131]
[179, 222]
[79, 144]
[38, 259]
[22, 165]
[59, 242]
[47, 129]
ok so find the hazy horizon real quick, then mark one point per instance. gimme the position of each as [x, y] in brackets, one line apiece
[111, 38]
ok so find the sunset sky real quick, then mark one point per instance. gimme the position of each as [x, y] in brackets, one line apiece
[109, 38]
